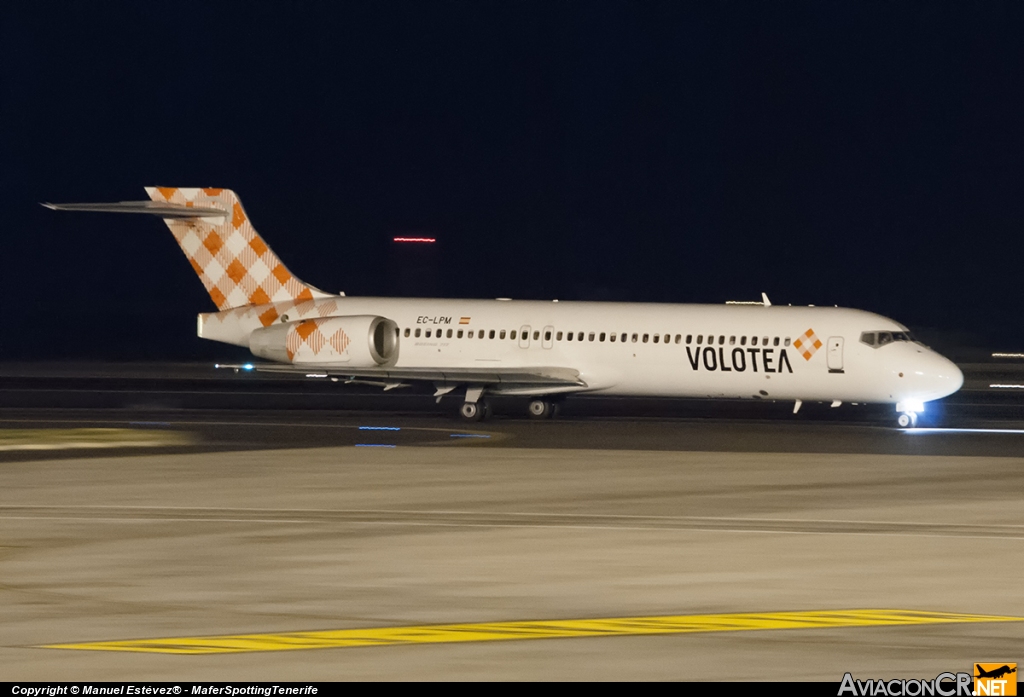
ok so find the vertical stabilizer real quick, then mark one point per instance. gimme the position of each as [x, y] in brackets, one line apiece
[231, 259]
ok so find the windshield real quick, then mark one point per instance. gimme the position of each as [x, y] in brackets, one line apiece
[878, 339]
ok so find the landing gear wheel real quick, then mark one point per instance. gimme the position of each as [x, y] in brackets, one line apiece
[475, 411]
[472, 411]
[540, 409]
[907, 420]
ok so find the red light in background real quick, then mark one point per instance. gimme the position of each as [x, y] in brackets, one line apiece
[428, 240]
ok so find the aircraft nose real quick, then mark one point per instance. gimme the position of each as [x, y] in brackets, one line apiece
[927, 375]
[943, 376]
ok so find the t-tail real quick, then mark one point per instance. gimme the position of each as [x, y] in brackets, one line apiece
[231, 259]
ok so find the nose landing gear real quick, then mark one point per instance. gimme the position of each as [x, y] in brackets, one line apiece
[907, 419]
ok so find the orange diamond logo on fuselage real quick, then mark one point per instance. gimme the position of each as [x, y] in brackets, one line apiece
[807, 344]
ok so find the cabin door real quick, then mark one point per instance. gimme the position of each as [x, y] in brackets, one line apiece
[835, 354]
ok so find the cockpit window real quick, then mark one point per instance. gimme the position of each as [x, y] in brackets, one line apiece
[879, 339]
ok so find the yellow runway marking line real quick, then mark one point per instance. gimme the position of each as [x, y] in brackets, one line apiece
[79, 438]
[537, 629]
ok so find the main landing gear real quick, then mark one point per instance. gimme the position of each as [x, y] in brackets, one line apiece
[542, 409]
[481, 409]
[475, 411]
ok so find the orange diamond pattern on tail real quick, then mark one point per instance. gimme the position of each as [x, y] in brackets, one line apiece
[807, 344]
[234, 263]
[307, 339]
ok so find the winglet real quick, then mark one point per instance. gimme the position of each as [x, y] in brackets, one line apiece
[765, 301]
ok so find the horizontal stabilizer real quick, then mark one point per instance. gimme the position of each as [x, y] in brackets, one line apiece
[158, 208]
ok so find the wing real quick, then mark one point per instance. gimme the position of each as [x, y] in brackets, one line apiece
[509, 381]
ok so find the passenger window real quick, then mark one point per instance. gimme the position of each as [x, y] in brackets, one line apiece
[569, 336]
[512, 334]
[732, 341]
[764, 341]
[786, 342]
[501, 334]
[646, 337]
[407, 331]
[623, 338]
[417, 332]
[601, 338]
[689, 338]
[449, 333]
[579, 337]
[679, 338]
[700, 338]
[547, 336]
[634, 338]
[558, 336]
[428, 333]
[536, 335]
[743, 341]
[721, 340]
[491, 334]
[657, 338]
[775, 341]
[612, 337]
[458, 334]
[470, 335]
[591, 337]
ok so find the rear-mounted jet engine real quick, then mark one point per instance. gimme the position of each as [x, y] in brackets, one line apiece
[359, 341]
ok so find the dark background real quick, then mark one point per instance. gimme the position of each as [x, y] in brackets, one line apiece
[861, 154]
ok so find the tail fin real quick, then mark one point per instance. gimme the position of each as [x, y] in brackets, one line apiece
[231, 259]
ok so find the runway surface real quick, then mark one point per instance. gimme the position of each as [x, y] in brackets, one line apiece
[262, 530]
[170, 522]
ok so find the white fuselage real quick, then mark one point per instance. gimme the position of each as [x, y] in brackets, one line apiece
[732, 351]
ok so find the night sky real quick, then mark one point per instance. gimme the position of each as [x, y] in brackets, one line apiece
[861, 154]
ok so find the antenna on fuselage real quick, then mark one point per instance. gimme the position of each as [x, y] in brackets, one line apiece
[765, 301]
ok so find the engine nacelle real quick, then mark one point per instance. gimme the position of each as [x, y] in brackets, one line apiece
[360, 341]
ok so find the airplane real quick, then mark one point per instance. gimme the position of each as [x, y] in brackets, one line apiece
[542, 350]
[995, 673]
